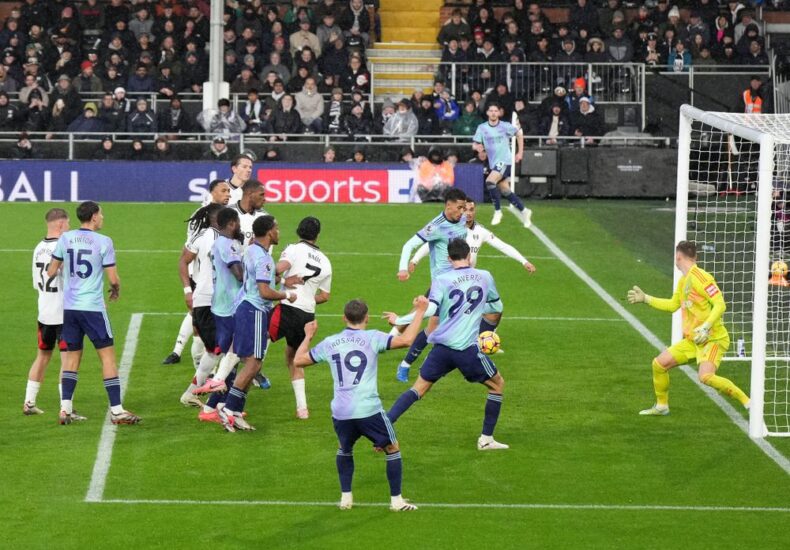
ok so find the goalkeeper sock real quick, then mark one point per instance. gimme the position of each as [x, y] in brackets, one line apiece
[661, 384]
[419, 344]
[486, 326]
[725, 386]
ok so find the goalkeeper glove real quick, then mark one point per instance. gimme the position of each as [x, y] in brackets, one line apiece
[636, 296]
[701, 334]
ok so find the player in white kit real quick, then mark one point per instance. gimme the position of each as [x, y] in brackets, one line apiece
[241, 173]
[50, 306]
[305, 260]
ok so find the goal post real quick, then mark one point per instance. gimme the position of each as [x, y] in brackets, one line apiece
[733, 171]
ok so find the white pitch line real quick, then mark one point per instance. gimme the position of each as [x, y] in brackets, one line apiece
[453, 505]
[107, 440]
[514, 318]
[648, 335]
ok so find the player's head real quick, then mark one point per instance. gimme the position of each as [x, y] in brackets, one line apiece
[685, 254]
[228, 222]
[89, 213]
[266, 227]
[57, 221]
[255, 193]
[458, 250]
[219, 191]
[241, 167]
[356, 313]
[470, 211]
[493, 111]
[308, 229]
[454, 204]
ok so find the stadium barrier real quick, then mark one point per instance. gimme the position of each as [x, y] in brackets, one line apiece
[119, 181]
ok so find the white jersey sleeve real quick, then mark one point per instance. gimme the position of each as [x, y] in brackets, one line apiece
[479, 235]
[308, 262]
[203, 273]
[421, 253]
[50, 289]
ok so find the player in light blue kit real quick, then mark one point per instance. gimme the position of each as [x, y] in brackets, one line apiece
[461, 296]
[85, 256]
[494, 136]
[251, 317]
[449, 225]
[356, 408]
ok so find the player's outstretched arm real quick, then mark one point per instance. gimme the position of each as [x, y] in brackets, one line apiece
[638, 296]
[405, 340]
[405, 254]
[302, 357]
[419, 255]
[511, 252]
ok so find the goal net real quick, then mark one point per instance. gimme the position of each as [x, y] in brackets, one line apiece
[733, 180]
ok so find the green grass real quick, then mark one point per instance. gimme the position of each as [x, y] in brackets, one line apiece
[572, 392]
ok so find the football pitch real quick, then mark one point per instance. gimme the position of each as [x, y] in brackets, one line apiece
[583, 470]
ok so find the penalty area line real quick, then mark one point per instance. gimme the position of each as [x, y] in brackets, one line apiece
[648, 335]
[458, 505]
[101, 467]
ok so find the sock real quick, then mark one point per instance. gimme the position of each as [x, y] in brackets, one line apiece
[299, 393]
[515, 200]
[69, 383]
[409, 317]
[406, 400]
[419, 344]
[226, 365]
[486, 326]
[726, 387]
[60, 391]
[404, 365]
[219, 397]
[32, 391]
[235, 400]
[493, 406]
[345, 469]
[113, 387]
[207, 364]
[197, 350]
[661, 384]
[184, 332]
[496, 195]
[394, 331]
[394, 473]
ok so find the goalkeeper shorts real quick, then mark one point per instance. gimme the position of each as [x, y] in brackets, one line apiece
[687, 351]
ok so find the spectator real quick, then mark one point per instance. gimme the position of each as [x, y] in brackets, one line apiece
[35, 115]
[31, 84]
[310, 106]
[355, 76]
[733, 11]
[87, 82]
[756, 55]
[87, 122]
[253, 114]
[404, 123]
[107, 151]
[583, 14]
[587, 121]
[526, 119]
[742, 45]
[679, 59]
[541, 52]
[193, 74]
[387, 112]
[271, 155]
[162, 150]
[619, 47]
[57, 121]
[142, 23]
[555, 124]
[328, 31]
[285, 119]
[406, 155]
[649, 53]
[327, 6]
[140, 82]
[7, 83]
[357, 126]
[596, 51]
[705, 57]
[112, 79]
[606, 14]
[297, 81]
[643, 20]
[10, 117]
[486, 24]
[168, 84]
[334, 112]
[249, 20]
[729, 56]
[142, 120]
[304, 38]
[697, 27]
[222, 120]
[434, 176]
[218, 150]
[502, 96]
[579, 93]
[125, 105]
[334, 61]
[277, 93]
[23, 150]
[359, 156]
[428, 122]
[673, 22]
[110, 115]
[722, 29]
[173, 119]
[568, 54]
[559, 96]
[747, 20]
[276, 65]
[231, 66]
[138, 151]
[355, 21]
[467, 123]
[454, 28]
[245, 82]
[329, 155]
[307, 59]
[755, 99]
[65, 91]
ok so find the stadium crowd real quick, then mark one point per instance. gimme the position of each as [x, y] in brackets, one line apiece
[95, 66]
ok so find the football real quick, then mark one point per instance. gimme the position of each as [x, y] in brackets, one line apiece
[488, 342]
[778, 269]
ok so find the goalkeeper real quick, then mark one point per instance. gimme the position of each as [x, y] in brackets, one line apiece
[704, 337]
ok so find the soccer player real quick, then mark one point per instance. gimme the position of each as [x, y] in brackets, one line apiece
[494, 136]
[705, 339]
[219, 193]
[251, 319]
[460, 296]
[50, 307]
[241, 172]
[449, 225]
[306, 261]
[250, 208]
[356, 408]
[197, 252]
[85, 256]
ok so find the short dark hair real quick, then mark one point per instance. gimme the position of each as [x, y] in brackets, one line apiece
[458, 249]
[55, 214]
[263, 225]
[237, 159]
[493, 104]
[251, 186]
[454, 194]
[355, 311]
[213, 184]
[309, 228]
[87, 210]
[688, 249]
[225, 216]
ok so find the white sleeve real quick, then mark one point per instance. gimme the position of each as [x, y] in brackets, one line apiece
[286, 256]
[326, 282]
[405, 253]
[421, 253]
[506, 249]
[35, 272]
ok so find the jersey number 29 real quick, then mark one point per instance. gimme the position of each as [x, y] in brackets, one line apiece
[473, 297]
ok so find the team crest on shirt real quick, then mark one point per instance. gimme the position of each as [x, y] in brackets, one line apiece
[429, 229]
[711, 290]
